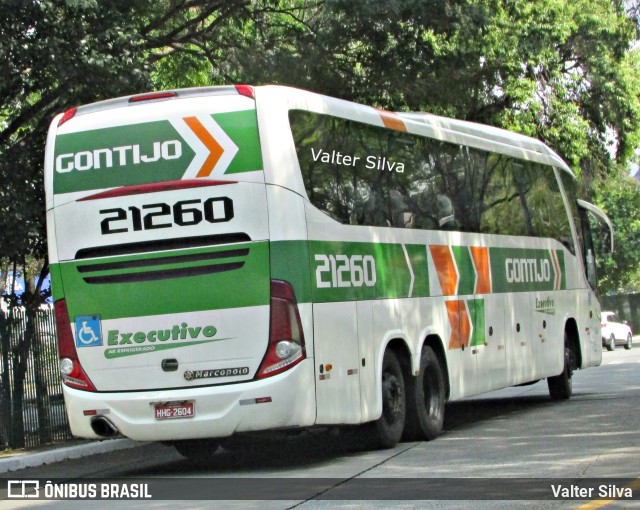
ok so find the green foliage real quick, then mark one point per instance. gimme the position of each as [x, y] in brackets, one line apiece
[557, 70]
[619, 197]
[56, 54]
[563, 71]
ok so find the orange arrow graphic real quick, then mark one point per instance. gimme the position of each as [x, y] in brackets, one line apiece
[460, 324]
[215, 149]
[445, 267]
[480, 256]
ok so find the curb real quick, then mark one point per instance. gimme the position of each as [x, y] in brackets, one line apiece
[23, 460]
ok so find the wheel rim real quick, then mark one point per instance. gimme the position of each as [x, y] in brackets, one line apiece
[431, 393]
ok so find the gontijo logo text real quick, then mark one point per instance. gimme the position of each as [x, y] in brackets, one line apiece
[118, 156]
[528, 270]
[201, 140]
[154, 149]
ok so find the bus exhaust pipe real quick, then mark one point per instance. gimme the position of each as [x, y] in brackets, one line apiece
[103, 427]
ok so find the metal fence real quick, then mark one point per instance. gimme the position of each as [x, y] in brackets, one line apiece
[32, 411]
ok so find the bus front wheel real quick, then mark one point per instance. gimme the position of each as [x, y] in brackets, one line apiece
[426, 397]
[561, 386]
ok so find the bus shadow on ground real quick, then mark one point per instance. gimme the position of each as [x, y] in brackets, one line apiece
[313, 449]
[469, 412]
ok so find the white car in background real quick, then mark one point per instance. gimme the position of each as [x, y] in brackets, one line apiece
[615, 331]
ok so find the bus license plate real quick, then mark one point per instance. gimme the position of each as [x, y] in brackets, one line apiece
[175, 411]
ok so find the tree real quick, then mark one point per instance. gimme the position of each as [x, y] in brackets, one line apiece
[63, 53]
[561, 71]
[566, 72]
[56, 54]
[619, 197]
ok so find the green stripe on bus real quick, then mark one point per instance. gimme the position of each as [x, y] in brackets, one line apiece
[230, 287]
[476, 311]
[467, 273]
[145, 153]
[242, 128]
[420, 265]
[290, 262]
[333, 271]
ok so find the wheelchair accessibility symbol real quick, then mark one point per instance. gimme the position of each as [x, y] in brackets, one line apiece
[88, 331]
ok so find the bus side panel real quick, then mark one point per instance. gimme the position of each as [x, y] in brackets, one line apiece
[337, 358]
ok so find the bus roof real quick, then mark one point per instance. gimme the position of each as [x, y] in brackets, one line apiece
[490, 133]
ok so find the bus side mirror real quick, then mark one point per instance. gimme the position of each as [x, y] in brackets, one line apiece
[604, 221]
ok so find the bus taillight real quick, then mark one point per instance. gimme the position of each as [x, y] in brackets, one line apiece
[68, 115]
[246, 90]
[71, 371]
[286, 339]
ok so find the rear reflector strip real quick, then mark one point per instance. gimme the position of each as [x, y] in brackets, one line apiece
[253, 401]
[155, 187]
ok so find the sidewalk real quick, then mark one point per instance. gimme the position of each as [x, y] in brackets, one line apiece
[22, 459]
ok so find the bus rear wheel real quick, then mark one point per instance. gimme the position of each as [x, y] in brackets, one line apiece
[426, 397]
[387, 430]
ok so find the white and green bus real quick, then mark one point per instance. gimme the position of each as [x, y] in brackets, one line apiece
[229, 260]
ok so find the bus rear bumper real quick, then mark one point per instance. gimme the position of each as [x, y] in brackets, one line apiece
[284, 400]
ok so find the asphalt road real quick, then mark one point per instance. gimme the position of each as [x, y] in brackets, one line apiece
[490, 446]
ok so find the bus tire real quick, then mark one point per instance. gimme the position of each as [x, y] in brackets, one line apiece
[196, 449]
[387, 430]
[426, 398]
[561, 386]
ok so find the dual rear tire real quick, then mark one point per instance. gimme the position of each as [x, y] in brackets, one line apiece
[413, 406]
